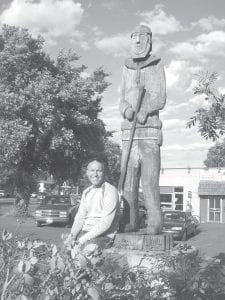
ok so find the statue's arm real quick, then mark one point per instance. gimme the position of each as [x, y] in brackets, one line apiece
[158, 94]
[125, 107]
[155, 96]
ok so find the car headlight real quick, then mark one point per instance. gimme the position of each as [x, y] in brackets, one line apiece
[177, 228]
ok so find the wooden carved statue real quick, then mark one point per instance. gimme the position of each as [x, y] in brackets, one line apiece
[143, 94]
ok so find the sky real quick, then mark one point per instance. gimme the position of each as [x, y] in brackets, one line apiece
[189, 36]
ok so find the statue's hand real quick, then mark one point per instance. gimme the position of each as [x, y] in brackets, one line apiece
[129, 113]
[141, 117]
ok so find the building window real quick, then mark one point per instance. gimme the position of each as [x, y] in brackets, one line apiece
[214, 212]
[166, 201]
[172, 197]
[178, 189]
[179, 200]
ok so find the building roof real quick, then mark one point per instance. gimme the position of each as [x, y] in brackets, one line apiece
[210, 187]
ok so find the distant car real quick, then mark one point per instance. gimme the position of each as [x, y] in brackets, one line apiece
[41, 196]
[2, 193]
[34, 195]
[180, 223]
[55, 209]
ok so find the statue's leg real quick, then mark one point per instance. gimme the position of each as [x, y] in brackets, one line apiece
[131, 188]
[131, 197]
[150, 169]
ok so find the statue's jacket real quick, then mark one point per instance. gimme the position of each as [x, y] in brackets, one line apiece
[149, 73]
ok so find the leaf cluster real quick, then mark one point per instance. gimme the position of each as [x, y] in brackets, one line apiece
[48, 110]
[211, 120]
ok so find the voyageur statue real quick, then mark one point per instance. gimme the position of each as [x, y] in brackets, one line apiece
[143, 94]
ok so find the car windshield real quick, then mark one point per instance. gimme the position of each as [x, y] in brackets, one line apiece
[55, 200]
[173, 216]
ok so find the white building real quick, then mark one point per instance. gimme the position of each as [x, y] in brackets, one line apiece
[198, 189]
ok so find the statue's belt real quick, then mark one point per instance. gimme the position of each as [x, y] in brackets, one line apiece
[153, 134]
[142, 138]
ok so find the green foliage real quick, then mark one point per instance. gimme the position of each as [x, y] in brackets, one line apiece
[211, 121]
[113, 155]
[216, 156]
[34, 270]
[48, 111]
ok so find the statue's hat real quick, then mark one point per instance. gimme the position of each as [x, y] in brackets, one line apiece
[142, 29]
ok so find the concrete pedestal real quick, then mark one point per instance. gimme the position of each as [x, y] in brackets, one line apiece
[142, 241]
[154, 261]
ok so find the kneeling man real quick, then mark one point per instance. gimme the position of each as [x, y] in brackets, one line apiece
[98, 213]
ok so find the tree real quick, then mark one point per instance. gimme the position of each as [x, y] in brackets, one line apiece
[216, 156]
[211, 121]
[48, 111]
[113, 155]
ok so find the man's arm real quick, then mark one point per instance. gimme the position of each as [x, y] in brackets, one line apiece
[79, 218]
[109, 210]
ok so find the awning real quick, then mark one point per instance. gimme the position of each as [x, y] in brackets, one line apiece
[212, 188]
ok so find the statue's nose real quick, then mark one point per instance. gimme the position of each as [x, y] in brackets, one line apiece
[137, 39]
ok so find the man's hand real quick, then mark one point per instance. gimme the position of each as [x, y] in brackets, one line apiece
[69, 240]
[142, 116]
[129, 113]
[82, 240]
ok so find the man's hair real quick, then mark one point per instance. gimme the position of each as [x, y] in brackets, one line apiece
[99, 160]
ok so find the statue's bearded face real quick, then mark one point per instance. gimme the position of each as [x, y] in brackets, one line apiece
[141, 45]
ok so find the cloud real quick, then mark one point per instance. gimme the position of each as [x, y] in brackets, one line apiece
[50, 18]
[117, 45]
[202, 47]
[172, 123]
[210, 23]
[179, 72]
[192, 146]
[171, 108]
[109, 4]
[221, 90]
[200, 101]
[97, 31]
[192, 85]
[160, 22]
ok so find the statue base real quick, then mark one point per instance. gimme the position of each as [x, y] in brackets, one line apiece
[144, 242]
[154, 261]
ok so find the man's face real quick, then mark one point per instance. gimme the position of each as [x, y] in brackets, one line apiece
[95, 173]
[140, 45]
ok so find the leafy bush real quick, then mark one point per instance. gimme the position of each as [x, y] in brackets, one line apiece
[34, 270]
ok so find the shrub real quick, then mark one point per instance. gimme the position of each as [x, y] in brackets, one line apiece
[34, 270]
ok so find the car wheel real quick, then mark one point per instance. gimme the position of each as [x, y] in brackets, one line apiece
[184, 236]
[38, 224]
[70, 223]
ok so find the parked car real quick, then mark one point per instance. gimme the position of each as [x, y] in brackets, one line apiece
[41, 196]
[2, 193]
[55, 209]
[180, 223]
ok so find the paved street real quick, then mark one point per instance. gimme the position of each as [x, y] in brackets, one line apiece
[27, 227]
[210, 238]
